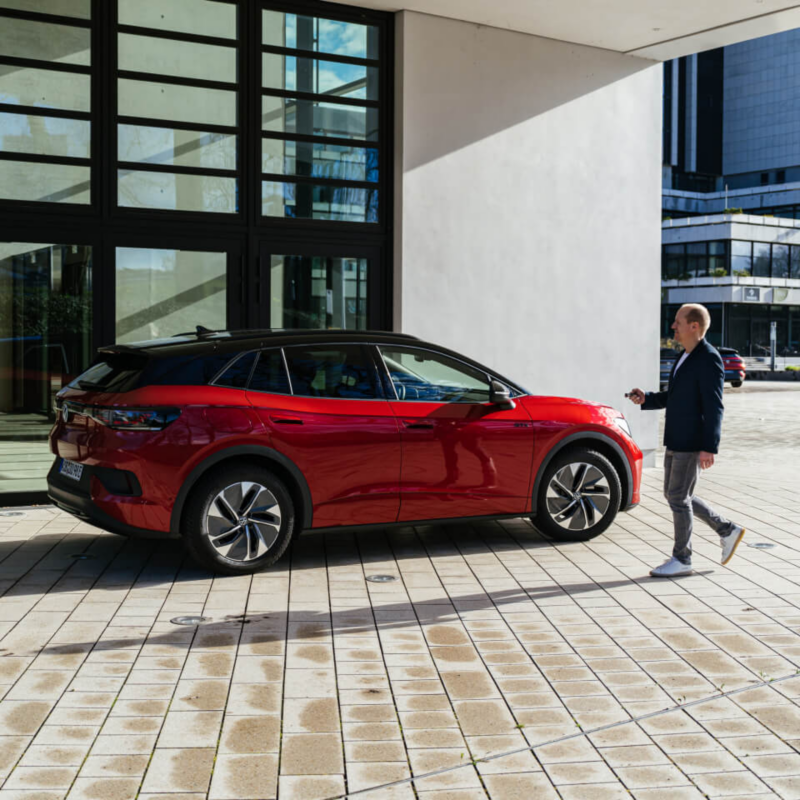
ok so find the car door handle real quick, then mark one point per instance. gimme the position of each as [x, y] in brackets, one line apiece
[285, 420]
[417, 424]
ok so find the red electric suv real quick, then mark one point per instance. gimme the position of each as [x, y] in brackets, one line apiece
[235, 440]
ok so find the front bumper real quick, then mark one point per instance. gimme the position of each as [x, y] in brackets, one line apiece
[75, 498]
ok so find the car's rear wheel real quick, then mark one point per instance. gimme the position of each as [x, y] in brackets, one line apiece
[579, 496]
[238, 520]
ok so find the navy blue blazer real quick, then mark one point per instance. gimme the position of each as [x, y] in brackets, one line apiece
[693, 401]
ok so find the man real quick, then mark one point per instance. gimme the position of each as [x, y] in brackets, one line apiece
[691, 436]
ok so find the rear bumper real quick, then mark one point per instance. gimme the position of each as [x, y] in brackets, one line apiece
[76, 499]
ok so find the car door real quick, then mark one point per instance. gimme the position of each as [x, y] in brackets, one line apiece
[330, 418]
[462, 456]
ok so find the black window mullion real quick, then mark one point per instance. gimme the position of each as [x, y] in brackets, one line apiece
[152, 77]
[315, 97]
[53, 66]
[178, 36]
[342, 183]
[199, 127]
[147, 166]
[41, 111]
[53, 19]
[329, 140]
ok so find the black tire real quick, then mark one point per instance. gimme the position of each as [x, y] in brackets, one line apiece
[199, 518]
[585, 511]
[736, 384]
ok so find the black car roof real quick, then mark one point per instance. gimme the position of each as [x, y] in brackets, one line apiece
[236, 340]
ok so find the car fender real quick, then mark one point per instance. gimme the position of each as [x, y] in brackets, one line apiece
[571, 438]
[241, 450]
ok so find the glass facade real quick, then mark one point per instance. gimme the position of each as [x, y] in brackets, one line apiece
[223, 163]
[747, 259]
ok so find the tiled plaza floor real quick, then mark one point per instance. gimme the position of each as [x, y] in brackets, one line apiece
[310, 682]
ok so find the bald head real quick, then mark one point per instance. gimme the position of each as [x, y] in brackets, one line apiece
[694, 312]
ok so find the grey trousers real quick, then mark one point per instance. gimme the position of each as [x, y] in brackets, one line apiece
[681, 471]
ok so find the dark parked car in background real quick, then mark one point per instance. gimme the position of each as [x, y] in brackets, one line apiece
[234, 441]
[734, 365]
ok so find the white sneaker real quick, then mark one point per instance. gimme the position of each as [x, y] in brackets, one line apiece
[672, 569]
[730, 543]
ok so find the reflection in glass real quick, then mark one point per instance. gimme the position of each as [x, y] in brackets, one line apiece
[167, 190]
[315, 201]
[81, 9]
[45, 341]
[180, 103]
[47, 136]
[319, 119]
[203, 17]
[795, 266]
[319, 77]
[181, 59]
[341, 371]
[318, 292]
[321, 35]
[780, 261]
[46, 183]
[717, 258]
[270, 374]
[163, 292]
[696, 261]
[319, 160]
[44, 88]
[741, 259]
[760, 260]
[65, 44]
[181, 148]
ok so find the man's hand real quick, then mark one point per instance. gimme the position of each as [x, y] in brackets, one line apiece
[705, 460]
[636, 396]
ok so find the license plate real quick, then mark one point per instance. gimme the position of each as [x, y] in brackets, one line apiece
[70, 469]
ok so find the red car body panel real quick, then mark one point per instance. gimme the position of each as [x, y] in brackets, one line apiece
[463, 460]
[349, 451]
[364, 461]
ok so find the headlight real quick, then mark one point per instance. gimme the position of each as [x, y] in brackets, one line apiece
[622, 423]
[136, 419]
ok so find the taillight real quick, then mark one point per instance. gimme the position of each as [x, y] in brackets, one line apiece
[136, 419]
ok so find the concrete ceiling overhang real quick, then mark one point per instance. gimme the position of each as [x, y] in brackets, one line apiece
[658, 30]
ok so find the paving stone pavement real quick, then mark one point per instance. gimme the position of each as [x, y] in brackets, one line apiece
[309, 681]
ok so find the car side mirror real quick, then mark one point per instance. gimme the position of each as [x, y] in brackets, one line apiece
[500, 395]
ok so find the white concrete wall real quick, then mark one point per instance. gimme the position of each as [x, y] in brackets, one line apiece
[528, 208]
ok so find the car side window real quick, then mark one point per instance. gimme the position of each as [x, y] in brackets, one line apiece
[236, 375]
[426, 376]
[269, 374]
[341, 370]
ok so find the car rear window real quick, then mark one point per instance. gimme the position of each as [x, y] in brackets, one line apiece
[236, 375]
[112, 372]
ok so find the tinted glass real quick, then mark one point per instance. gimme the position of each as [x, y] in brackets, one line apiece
[172, 57]
[429, 377]
[314, 118]
[780, 261]
[45, 136]
[795, 265]
[237, 373]
[318, 201]
[318, 292]
[65, 44]
[342, 371]
[319, 160]
[270, 374]
[203, 17]
[45, 341]
[163, 292]
[185, 370]
[319, 77]
[46, 88]
[64, 8]
[761, 259]
[154, 145]
[321, 35]
[180, 103]
[112, 372]
[741, 259]
[166, 190]
[45, 183]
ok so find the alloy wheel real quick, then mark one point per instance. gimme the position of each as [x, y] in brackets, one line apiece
[578, 496]
[243, 521]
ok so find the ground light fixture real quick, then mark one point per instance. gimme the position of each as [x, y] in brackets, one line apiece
[381, 578]
[762, 545]
[189, 620]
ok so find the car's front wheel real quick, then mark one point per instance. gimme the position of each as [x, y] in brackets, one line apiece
[579, 496]
[238, 520]
[736, 384]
